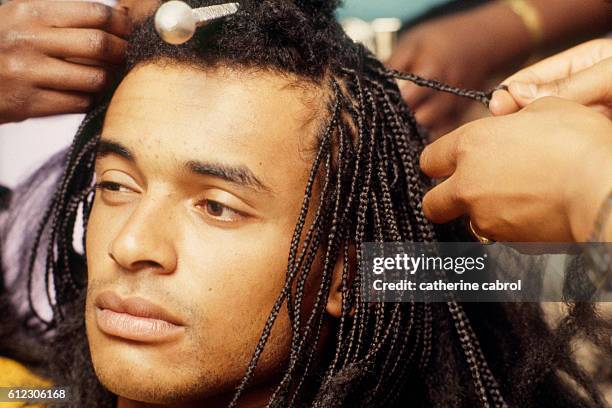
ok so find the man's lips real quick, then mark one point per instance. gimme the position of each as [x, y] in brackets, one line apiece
[136, 319]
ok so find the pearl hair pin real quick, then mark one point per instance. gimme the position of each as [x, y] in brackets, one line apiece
[176, 22]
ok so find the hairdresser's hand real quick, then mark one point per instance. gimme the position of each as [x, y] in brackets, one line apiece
[537, 175]
[432, 50]
[582, 74]
[462, 50]
[40, 44]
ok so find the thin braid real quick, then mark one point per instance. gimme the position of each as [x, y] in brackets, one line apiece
[361, 213]
[309, 249]
[293, 266]
[363, 206]
[468, 348]
[297, 337]
[406, 332]
[280, 300]
[410, 154]
[62, 216]
[480, 96]
[296, 343]
[328, 266]
[85, 125]
[344, 312]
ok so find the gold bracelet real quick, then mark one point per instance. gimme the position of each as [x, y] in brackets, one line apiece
[481, 238]
[530, 17]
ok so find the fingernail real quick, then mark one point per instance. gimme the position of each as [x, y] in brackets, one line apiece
[524, 90]
[494, 104]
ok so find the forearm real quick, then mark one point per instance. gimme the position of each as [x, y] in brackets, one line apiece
[510, 39]
[563, 20]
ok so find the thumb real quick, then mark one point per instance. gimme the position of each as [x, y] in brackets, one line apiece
[590, 86]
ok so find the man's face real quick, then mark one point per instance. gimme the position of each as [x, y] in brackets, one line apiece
[201, 176]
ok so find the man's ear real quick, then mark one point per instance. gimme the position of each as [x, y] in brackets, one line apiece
[334, 299]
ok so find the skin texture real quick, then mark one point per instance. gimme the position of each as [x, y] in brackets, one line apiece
[154, 233]
[55, 56]
[138, 10]
[467, 49]
[582, 74]
[523, 177]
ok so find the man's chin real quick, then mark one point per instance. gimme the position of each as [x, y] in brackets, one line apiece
[139, 374]
[143, 373]
[148, 386]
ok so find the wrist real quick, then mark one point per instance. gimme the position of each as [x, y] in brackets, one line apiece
[530, 17]
[512, 42]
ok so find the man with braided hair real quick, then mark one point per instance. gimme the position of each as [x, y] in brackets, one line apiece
[226, 188]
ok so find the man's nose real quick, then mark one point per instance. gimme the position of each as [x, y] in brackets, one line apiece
[145, 241]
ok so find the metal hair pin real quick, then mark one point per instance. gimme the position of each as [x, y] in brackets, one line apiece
[176, 22]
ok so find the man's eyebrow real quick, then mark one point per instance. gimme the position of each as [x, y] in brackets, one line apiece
[106, 147]
[240, 175]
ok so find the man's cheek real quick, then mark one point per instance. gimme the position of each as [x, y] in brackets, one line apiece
[249, 260]
[104, 225]
[234, 288]
[94, 238]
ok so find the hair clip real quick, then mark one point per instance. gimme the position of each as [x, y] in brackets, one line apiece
[176, 22]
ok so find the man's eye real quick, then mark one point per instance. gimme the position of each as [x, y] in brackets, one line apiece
[220, 211]
[112, 186]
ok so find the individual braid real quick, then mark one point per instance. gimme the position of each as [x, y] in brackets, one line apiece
[80, 147]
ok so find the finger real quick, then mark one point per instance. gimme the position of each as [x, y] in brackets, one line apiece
[67, 76]
[91, 44]
[502, 103]
[565, 63]
[439, 159]
[589, 86]
[77, 14]
[49, 102]
[603, 109]
[442, 204]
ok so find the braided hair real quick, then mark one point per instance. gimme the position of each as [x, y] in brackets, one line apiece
[369, 190]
